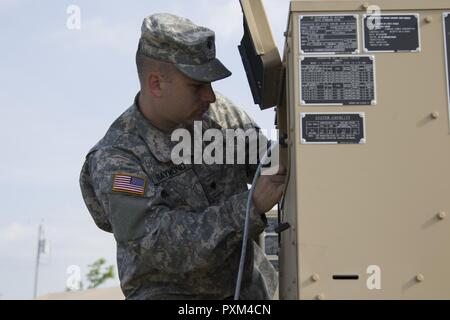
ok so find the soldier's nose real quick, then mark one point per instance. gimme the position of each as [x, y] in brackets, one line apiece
[208, 94]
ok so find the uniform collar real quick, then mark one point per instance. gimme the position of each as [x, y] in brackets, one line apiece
[159, 142]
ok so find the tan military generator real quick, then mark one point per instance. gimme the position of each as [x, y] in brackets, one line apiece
[362, 96]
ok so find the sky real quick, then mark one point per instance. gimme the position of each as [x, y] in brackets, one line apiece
[60, 90]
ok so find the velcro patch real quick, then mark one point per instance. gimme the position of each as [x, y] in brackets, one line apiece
[126, 183]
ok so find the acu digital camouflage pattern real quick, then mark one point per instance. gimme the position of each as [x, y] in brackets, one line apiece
[189, 47]
[182, 239]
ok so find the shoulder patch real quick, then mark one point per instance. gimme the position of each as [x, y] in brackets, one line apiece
[126, 183]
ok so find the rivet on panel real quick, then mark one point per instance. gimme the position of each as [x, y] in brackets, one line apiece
[435, 115]
[428, 19]
[315, 277]
[441, 215]
[320, 297]
[420, 278]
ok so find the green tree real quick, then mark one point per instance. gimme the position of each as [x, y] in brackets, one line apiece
[99, 273]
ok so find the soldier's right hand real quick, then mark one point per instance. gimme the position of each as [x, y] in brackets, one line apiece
[269, 190]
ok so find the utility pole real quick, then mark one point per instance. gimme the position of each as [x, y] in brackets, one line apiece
[40, 249]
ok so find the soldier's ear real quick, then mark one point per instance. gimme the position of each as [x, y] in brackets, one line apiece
[154, 84]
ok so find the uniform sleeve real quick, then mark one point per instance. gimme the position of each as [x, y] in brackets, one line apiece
[164, 237]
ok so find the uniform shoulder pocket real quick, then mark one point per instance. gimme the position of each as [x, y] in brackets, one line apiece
[127, 216]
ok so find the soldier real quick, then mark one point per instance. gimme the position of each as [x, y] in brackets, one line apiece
[178, 228]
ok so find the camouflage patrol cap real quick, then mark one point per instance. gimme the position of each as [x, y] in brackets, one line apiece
[189, 47]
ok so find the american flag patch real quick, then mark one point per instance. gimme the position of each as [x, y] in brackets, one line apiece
[128, 184]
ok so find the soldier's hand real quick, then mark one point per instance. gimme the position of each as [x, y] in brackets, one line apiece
[268, 190]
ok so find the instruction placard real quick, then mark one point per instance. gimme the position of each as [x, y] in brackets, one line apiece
[332, 128]
[337, 80]
[329, 34]
[391, 33]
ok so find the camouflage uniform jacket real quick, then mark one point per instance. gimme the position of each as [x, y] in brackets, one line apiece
[180, 238]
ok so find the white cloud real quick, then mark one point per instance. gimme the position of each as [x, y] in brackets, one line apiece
[8, 4]
[75, 240]
[16, 232]
[116, 36]
[99, 33]
[225, 18]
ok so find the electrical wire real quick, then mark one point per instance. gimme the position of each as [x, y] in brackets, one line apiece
[237, 292]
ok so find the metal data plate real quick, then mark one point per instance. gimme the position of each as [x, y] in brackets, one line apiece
[391, 33]
[332, 128]
[329, 34]
[337, 80]
[446, 24]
